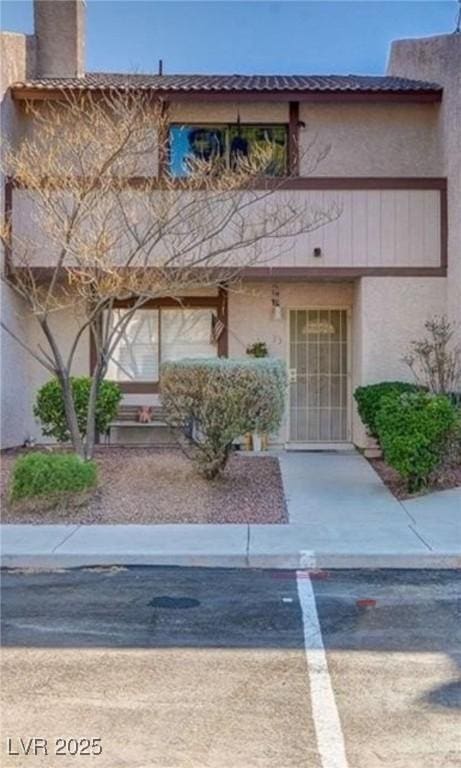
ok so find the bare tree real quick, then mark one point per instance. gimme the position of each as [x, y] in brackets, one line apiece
[435, 360]
[101, 218]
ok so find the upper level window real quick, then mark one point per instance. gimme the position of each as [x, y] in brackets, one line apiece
[226, 143]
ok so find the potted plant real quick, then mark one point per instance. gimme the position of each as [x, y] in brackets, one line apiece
[257, 349]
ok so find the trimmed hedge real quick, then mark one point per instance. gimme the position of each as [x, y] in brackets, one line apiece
[214, 401]
[415, 430]
[369, 398]
[49, 406]
[43, 474]
[455, 398]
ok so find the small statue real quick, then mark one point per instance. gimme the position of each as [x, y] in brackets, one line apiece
[145, 414]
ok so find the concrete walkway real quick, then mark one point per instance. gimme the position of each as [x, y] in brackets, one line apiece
[341, 516]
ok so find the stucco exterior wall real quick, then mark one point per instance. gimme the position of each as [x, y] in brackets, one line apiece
[60, 31]
[16, 60]
[64, 324]
[21, 375]
[364, 139]
[388, 314]
[228, 112]
[375, 139]
[251, 317]
[439, 58]
[370, 139]
[14, 381]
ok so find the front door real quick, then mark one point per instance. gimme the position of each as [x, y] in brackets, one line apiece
[318, 376]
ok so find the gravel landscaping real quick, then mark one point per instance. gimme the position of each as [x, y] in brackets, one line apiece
[451, 478]
[148, 486]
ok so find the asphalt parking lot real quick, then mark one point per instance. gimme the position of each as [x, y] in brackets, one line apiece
[208, 668]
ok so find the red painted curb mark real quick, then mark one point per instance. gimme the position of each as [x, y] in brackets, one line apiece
[300, 574]
[366, 603]
[318, 574]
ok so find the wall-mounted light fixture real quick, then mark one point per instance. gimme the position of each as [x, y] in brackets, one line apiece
[276, 308]
[317, 252]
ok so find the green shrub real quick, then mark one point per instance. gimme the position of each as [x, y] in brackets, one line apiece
[49, 406]
[368, 400]
[415, 431]
[455, 398]
[214, 401]
[257, 349]
[43, 474]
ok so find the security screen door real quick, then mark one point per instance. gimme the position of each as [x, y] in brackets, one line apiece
[318, 375]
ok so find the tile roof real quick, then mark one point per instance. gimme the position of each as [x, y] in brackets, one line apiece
[233, 83]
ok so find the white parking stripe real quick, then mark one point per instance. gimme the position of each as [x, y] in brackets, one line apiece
[329, 734]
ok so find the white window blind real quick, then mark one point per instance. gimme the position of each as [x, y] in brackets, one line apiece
[135, 357]
[151, 335]
[186, 333]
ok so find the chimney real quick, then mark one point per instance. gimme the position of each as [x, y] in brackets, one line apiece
[436, 59]
[60, 37]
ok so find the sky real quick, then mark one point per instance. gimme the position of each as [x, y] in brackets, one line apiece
[246, 37]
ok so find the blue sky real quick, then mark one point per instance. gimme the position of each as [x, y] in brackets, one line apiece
[246, 37]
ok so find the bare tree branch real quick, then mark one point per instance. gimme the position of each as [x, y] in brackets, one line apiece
[97, 224]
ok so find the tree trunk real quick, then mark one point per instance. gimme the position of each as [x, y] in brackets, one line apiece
[91, 414]
[62, 374]
[71, 416]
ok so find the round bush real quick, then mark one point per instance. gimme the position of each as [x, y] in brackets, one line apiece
[415, 430]
[214, 401]
[42, 474]
[49, 406]
[368, 400]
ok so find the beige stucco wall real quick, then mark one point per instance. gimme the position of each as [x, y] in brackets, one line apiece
[60, 31]
[375, 139]
[14, 382]
[251, 318]
[366, 140]
[15, 60]
[21, 375]
[370, 139]
[65, 325]
[228, 112]
[439, 58]
[388, 314]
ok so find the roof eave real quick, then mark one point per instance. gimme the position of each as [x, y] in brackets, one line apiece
[28, 93]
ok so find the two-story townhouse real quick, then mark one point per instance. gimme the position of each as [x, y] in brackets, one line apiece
[341, 306]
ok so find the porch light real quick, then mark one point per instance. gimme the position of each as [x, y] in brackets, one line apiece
[276, 308]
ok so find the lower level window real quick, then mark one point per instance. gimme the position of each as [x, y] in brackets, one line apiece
[153, 336]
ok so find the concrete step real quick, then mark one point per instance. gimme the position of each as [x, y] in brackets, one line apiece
[153, 434]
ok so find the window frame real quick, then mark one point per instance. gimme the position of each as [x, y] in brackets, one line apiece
[227, 126]
[217, 303]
